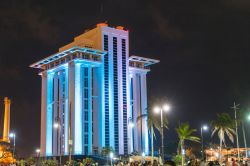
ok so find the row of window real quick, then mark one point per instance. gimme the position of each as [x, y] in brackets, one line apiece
[106, 90]
[124, 93]
[116, 118]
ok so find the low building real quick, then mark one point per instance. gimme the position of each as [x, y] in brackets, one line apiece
[213, 154]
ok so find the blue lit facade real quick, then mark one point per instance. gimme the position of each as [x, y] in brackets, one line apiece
[94, 90]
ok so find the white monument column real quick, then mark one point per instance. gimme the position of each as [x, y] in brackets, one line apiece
[144, 110]
[49, 113]
[43, 113]
[75, 107]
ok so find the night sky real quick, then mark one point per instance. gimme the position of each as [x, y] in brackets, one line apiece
[203, 46]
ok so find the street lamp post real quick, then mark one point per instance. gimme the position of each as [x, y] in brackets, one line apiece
[131, 126]
[165, 108]
[111, 155]
[235, 108]
[57, 125]
[37, 155]
[248, 117]
[130, 122]
[13, 135]
[244, 134]
[204, 127]
[143, 155]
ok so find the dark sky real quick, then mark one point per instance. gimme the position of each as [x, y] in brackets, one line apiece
[203, 47]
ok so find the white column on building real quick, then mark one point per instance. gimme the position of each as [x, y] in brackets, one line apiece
[71, 108]
[43, 113]
[98, 112]
[140, 134]
[139, 112]
[78, 110]
[136, 107]
[49, 115]
[55, 105]
[144, 111]
[130, 115]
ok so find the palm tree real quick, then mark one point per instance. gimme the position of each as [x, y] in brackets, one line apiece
[153, 123]
[185, 133]
[224, 124]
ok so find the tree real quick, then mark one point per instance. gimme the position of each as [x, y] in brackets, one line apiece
[153, 123]
[31, 161]
[224, 124]
[106, 151]
[185, 133]
[49, 163]
[88, 161]
[21, 162]
[71, 163]
[6, 152]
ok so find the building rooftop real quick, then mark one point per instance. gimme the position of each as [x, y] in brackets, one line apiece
[145, 61]
[60, 55]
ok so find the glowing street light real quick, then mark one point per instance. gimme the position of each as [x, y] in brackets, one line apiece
[160, 109]
[13, 135]
[205, 128]
[111, 155]
[56, 125]
[143, 155]
[37, 155]
[37, 151]
[248, 117]
[131, 124]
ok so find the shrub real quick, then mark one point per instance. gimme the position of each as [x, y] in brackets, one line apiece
[71, 163]
[177, 159]
[49, 163]
[31, 161]
[88, 161]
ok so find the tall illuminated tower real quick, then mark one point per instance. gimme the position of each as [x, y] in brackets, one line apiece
[94, 89]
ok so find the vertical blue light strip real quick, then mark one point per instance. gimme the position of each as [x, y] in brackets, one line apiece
[49, 115]
[78, 111]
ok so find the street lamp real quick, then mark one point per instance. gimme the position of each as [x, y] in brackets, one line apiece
[130, 122]
[111, 155]
[13, 135]
[37, 155]
[248, 117]
[58, 126]
[38, 152]
[205, 128]
[131, 130]
[143, 155]
[157, 109]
